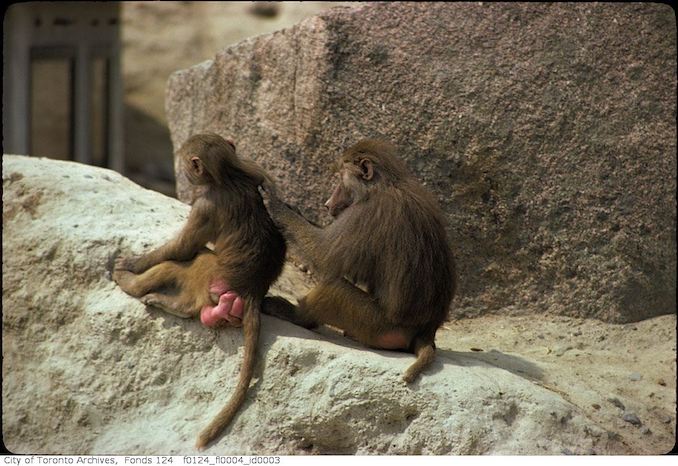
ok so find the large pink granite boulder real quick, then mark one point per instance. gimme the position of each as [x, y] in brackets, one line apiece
[548, 132]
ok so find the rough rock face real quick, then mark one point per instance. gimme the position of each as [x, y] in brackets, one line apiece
[546, 130]
[89, 370]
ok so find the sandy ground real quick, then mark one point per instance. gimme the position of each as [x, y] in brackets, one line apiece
[606, 370]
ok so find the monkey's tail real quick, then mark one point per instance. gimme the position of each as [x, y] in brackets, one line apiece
[251, 324]
[425, 350]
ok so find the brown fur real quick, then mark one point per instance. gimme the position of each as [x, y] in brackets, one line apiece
[385, 265]
[249, 252]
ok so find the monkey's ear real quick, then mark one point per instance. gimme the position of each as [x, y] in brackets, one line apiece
[196, 165]
[366, 169]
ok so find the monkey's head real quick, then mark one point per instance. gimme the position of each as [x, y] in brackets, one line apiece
[209, 159]
[364, 167]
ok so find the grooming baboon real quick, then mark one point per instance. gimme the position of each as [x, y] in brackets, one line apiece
[229, 284]
[387, 275]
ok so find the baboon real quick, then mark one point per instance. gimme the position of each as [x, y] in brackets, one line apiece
[226, 286]
[386, 272]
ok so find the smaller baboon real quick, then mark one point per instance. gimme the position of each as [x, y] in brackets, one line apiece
[226, 286]
[387, 274]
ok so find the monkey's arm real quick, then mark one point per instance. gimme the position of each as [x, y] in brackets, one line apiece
[304, 235]
[191, 239]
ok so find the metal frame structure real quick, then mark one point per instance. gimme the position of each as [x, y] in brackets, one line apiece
[82, 32]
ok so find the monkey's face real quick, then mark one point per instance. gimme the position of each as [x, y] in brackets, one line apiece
[355, 179]
[340, 199]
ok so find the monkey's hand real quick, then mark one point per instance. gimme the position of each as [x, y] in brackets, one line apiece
[269, 188]
[276, 207]
[130, 263]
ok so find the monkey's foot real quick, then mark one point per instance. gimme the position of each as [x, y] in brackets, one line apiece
[124, 279]
[168, 304]
[229, 310]
[281, 308]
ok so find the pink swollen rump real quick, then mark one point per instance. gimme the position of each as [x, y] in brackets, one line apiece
[392, 340]
[229, 309]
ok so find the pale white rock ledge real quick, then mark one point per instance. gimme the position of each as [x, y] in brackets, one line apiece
[88, 369]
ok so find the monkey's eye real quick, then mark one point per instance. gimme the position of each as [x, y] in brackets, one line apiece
[195, 163]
